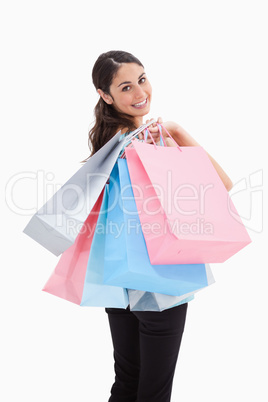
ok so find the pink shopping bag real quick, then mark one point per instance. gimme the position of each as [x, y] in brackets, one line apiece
[67, 280]
[186, 214]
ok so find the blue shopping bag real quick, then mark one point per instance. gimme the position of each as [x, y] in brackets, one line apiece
[126, 260]
[95, 293]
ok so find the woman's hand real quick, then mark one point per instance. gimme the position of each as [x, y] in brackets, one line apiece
[153, 128]
[180, 136]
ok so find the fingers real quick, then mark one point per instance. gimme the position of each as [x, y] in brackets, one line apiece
[153, 131]
[154, 125]
[151, 137]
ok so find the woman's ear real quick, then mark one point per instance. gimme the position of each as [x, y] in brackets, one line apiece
[107, 98]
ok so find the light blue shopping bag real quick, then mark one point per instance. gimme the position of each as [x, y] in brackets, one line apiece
[95, 293]
[126, 261]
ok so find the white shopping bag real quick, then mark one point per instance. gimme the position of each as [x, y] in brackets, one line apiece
[56, 225]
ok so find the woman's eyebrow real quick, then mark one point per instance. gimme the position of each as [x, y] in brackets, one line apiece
[129, 82]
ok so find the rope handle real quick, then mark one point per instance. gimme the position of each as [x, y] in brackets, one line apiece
[162, 139]
[147, 131]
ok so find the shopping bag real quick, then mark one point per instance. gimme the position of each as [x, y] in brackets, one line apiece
[67, 280]
[183, 205]
[141, 301]
[126, 259]
[72, 279]
[95, 293]
[56, 225]
[149, 301]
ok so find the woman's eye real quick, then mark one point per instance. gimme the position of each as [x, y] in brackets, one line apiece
[126, 88]
[142, 80]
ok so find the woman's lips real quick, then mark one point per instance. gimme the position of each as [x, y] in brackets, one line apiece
[140, 105]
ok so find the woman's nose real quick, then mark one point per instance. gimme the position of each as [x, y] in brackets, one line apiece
[139, 93]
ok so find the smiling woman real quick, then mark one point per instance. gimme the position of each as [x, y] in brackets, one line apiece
[146, 343]
[130, 92]
[125, 95]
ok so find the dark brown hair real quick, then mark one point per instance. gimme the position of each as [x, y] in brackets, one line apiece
[107, 119]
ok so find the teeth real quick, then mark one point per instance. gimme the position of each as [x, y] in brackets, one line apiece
[140, 104]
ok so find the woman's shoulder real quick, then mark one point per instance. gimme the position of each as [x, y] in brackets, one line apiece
[124, 132]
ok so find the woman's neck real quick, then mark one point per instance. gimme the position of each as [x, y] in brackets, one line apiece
[138, 121]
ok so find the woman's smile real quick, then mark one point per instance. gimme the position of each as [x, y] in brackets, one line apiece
[140, 105]
[131, 91]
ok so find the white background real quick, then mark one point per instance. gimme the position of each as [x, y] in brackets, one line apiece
[207, 62]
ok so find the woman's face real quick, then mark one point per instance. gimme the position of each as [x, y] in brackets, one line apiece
[131, 91]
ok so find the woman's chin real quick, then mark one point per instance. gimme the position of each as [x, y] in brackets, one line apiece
[141, 112]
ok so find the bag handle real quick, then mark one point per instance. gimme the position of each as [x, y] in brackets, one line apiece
[147, 131]
[162, 140]
[136, 132]
[160, 127]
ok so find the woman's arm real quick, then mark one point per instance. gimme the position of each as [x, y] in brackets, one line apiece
[184, 139]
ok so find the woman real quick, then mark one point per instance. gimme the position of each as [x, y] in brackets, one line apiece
[146, 344]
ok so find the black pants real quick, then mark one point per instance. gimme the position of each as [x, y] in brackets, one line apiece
[146, 346]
